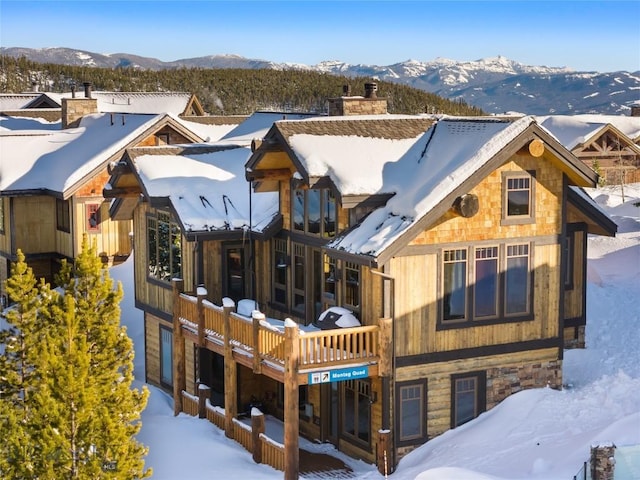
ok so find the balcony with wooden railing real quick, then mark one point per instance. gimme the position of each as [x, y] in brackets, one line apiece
[260, 344]
[277, 349]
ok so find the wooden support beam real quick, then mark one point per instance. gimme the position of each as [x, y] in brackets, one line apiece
[269, 174]
[383, 453]
[291, 401]
[121, 192]
[230, 375]
[179, 370]
[201, 295]
[386, 344]
[535, 148]
[119, 168]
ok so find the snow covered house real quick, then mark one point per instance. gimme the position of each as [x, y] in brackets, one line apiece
[52, 176]
[609, 144]
[450, 252]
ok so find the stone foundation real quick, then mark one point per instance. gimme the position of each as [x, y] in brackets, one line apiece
[505, 381]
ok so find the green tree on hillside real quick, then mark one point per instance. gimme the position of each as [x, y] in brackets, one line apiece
[83, 407]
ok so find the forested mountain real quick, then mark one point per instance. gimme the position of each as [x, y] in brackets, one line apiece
[229, 91]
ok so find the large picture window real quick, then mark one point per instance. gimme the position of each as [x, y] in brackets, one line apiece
[498, 281]
[164, 248]
[313, 212]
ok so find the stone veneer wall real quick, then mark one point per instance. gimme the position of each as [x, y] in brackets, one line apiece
[73, 109]
[357, 106]
[505, 381]
[603, 461]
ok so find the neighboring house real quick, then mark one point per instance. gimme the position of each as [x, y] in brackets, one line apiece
[182, 104]
[51, 181]
[452, 250]
[606, 143]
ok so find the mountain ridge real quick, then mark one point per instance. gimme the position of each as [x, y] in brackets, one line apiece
[494, 84]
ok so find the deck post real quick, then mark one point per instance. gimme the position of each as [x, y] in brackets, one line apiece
[257, 427]
[179, 375]
[257, 317]
[230, 373]
[203, 395]
[291, 401]
[383, 453]
[201, 295]
[384, 366]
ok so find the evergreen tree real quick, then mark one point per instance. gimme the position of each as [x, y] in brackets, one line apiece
[83, 409]
[19, 373]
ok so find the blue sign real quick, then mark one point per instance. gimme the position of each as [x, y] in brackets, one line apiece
[338, 375]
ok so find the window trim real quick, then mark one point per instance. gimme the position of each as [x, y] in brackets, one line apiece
[89, 211]
[422, 420]
[518, 219]
[63, 215]
[324, 195]
[470, 320]
[480, 406]
[154, 216]
[569, 251]
[169, 330]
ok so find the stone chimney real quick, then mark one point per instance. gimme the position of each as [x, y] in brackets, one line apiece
[370, 104]
[602, 461]
[635, 110]
[73, 109]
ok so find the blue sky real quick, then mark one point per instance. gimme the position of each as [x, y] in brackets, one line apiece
[584, 35]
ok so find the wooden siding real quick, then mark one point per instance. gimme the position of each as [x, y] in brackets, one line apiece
[155, 295]
[34, 225]
[152, 347]
[5, 230]
[417, 276]
[212, 274]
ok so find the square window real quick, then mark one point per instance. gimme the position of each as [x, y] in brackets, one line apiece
[468, 397]
[518, 195]
[93, 217]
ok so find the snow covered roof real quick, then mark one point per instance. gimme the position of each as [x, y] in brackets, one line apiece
[352, 151]
[258, 124]
[206, 187]
[574, 130]
[433, 168]
[15, 101]
[43, 159]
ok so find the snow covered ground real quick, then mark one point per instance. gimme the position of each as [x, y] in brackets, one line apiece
[538, 434]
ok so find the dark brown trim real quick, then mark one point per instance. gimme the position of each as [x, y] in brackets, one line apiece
[481, 393]
[474, 352]
[575, 322]
[146, 308]
[422, 421]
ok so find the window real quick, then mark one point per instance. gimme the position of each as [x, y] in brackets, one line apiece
[517, 280]
[93, 217]
[313, 212]
[1, 215]
[162, 139]
[454, 303]
[298, 278]
[568, 263]
[518, 197]
[234, 282]
[356, 413]
[166, 356]
[63, 220]
[498, 285]
[280, 262]
[412, 419]
[352, 287]
[468, 397]
[486, 282]
[164, 247]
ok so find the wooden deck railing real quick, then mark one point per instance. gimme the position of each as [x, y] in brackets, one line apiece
[322, 348]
